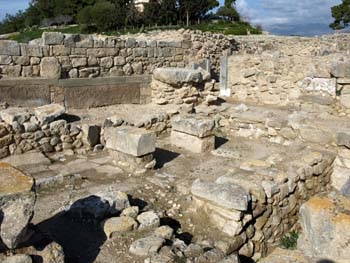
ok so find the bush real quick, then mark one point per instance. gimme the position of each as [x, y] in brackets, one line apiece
[289, 241]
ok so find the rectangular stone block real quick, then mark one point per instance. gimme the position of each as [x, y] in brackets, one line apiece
[193, 143]
[31, 50]
[194, 125]
[130, 140]
[9, 47]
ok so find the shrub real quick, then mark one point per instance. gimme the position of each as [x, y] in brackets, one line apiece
[289, 241]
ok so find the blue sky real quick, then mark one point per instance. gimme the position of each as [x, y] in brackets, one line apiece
[298, 17]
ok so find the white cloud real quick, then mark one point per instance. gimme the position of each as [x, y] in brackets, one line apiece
[302, 15]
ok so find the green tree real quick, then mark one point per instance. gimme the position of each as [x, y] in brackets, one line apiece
[341, 15]
[195, 9]
[228, 11]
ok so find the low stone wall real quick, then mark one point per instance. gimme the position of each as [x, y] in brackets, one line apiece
[76, 93]
[257, 206]
[41, 129]
[58, 55]
[279, 79]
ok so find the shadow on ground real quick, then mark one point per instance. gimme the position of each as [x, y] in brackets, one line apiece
[80, 237]
[164, 156]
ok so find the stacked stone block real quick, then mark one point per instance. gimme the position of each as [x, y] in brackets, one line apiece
[131, 148]
[193, 133]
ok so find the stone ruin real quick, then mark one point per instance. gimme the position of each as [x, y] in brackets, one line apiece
[206, 171]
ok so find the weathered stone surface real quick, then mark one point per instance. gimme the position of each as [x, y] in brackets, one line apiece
[52, 38]
[19, 115]
[48, 113]
[130, 140]
[5, 60]
[52, 253]
[343, 139]
[321, 84]
[345, 100]
[177, 76]
[165, 232]
[146, 246]
[17, 198]
[148, 220]
[50, 68]
[224, 195]
[325, 221]
[280, 255]
[340, 179]
[118, 224]
[9, 47]
[192, 143]
[18, 259]
[194, 125]
[340, 69]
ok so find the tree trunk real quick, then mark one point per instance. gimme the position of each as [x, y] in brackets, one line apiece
[187, 18]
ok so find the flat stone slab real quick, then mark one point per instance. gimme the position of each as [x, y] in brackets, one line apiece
[177, 76]
[130, 140]
[194, 125]
[15, 114]
[13, 181]
[48, 113]
[17, 199]
[27, 159]
[228, 196]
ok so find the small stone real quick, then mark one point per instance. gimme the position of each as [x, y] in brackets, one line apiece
[131, 211]
[148, 220]
[146, 246]
[165, 232]
[118, 224]
[117, 200]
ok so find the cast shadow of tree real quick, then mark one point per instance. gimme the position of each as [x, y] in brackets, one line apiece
[80, 237]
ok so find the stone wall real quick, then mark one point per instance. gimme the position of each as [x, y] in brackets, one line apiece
[75, 93]
[257, 206]
[278, 70]
[58, 55]
[42, 129]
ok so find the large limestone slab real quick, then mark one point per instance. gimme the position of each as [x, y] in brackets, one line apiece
[50, 68]
[130, 140]
[325, 222]
[15, 114]
[48, 113]
[192, 143]
[9, 47]
[17, 198]
[177, 76]
[194, 125]
[228, 196]
[52, 38]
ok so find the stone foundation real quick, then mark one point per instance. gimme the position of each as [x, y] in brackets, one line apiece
[267, 204]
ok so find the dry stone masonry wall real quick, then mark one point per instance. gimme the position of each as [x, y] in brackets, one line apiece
[277, 71]
[58, 55]
[23, 130]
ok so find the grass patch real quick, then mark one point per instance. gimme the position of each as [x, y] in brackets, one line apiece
[289, 241]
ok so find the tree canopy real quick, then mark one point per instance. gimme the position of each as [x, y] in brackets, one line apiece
[102, 15]
[341, 15]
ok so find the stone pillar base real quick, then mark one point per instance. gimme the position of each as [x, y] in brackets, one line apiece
[132, 163]
[193, 143]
